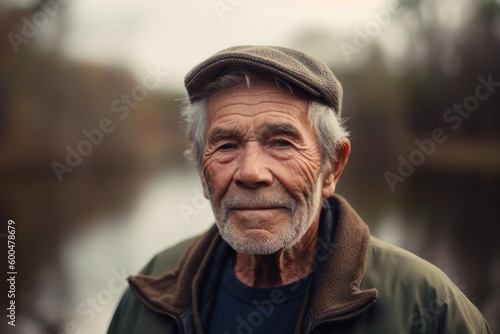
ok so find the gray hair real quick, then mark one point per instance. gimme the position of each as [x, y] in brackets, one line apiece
[328, 126]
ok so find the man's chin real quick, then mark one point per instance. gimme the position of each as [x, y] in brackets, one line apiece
[255, 242]
[254, 249]
[259, 219]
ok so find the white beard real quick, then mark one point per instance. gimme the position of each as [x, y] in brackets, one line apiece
[302, 219]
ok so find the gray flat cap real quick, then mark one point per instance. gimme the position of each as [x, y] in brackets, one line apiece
[293, 66]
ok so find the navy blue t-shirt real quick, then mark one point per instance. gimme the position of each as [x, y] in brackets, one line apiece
[242, 309]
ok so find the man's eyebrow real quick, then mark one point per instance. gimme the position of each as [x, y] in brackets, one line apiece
[219, 134]
[282, 129]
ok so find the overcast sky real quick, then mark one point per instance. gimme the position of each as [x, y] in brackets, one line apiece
[177, 34]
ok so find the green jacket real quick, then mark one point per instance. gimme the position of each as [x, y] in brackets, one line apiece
[360, 285]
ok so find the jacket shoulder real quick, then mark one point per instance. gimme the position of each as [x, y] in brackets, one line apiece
[395, 269]
[424, 297]
[130, 315]
[406, 263]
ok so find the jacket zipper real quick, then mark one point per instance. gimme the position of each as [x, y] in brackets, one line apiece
[156, 309]
[344, 317]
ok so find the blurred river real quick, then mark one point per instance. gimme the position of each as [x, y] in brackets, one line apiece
[171, 208]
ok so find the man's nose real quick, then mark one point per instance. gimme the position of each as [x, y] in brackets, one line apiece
[253, 171]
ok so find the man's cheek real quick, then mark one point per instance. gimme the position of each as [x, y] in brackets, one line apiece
[302, 172]
[209, 165]
[215, 180]
[310, 163]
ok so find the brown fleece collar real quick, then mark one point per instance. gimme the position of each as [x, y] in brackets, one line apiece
[172, 291]
[338, 292]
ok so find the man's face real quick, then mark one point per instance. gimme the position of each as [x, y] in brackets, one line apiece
[261, 168]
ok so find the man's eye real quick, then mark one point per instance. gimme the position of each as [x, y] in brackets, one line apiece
[282, 143]
[226, 147]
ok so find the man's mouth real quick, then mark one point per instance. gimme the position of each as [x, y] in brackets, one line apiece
[252, 208]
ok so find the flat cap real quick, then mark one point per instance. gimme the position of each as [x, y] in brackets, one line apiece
[296, 67]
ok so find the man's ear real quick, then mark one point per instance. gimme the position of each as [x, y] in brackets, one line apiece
[203, 182]
[335, 169]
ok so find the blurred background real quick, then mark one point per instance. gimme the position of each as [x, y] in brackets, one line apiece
[91, 144]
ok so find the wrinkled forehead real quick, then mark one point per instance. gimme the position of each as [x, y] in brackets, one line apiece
[256, 98]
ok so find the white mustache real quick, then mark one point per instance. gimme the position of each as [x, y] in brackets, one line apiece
[239, 201]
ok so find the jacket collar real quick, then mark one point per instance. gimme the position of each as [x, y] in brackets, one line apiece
[337, 294]
[338, 291]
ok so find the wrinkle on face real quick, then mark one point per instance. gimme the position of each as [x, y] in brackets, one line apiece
[248, 117]
[246, 111]
[260, 144]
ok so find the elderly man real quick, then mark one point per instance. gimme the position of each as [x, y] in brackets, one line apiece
[286, 255]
